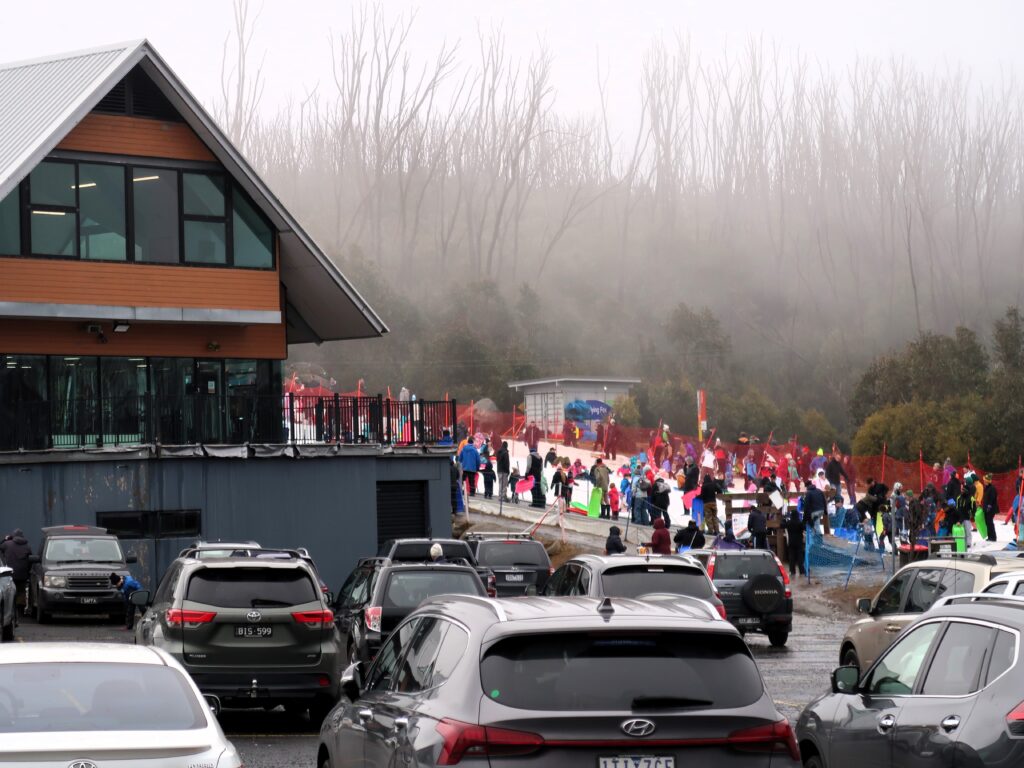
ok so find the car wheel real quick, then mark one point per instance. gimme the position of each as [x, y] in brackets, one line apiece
[814, 761]
[850, 658]
[42, 617]
[778, 637]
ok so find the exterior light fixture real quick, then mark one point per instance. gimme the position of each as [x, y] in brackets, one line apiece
[121, 326]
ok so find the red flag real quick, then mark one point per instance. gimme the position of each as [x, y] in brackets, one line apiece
[882, 478]
[920, 468]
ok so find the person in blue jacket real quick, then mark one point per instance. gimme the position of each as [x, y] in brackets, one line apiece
[470, 461]
[128, 585]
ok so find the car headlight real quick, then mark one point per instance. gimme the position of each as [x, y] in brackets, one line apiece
[58, 582]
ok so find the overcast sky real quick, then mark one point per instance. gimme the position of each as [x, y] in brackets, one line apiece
[983, 35]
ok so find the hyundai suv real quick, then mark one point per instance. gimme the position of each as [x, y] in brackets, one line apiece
[253, 632]
[909, 593]
[71, 575]
[380, 594]
[575, 683]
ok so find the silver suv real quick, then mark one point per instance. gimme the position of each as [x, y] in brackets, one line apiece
[573, 683]
[252, 632]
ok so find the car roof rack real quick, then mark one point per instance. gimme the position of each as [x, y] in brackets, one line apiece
[484, 535]
[979, 597]
[58, 530]
[974, 557]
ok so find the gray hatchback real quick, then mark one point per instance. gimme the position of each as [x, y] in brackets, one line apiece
[595, 683]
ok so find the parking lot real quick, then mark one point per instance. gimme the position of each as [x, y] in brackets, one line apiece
[793, 674]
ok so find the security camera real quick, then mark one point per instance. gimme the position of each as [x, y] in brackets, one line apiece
[97, 329]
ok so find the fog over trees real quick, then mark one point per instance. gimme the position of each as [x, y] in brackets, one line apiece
[821, 217]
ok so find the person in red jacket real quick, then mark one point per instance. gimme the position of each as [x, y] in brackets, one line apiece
[661, 541]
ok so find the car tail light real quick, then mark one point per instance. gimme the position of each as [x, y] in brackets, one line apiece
[314, 619]
[785, 576]
[776, 737]
[176, 617]
[468, 740]
[372, 618]
[1015, 720]
[721, 610]
[711, 567]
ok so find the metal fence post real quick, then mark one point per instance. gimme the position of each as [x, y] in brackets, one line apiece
[291, 417]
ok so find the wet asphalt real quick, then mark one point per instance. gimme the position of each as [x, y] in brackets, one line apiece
[793, 674]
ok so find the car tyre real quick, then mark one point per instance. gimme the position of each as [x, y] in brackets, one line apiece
[778, 637]
[814, 761]
[850, 658]
[42, 617]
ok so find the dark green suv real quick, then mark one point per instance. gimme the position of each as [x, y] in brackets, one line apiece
[253, 632]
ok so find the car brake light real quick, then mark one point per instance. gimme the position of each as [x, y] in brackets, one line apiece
[1015, 720]
[176, 617]
[314, 619]
[372, 618]
[721, 610]
[774, 737]
[785, 576]
[711, 567]
[465, 739]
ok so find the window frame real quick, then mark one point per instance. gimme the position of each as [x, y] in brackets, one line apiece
[129, 164]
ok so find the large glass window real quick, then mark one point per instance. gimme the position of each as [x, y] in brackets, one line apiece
[124, 382]
[54, 220]
[155, 215]
[205, 221]
[24, 412]
[253, 244]
[74, 400]
[10, 224]
[101, 205]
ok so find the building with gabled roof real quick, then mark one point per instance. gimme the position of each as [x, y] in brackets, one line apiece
[150, 286]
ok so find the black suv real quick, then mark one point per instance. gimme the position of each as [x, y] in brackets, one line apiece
[946, 693]
[71, 575]
[520, 564]
[635, 576]
[755, 589]
[379, 594]
[254, 632]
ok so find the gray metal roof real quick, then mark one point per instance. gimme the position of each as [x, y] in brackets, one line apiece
[43, 99]
[572, 380]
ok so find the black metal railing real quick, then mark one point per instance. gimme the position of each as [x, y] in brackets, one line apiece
[214, 419]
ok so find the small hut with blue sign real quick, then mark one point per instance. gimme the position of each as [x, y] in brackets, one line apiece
[583, 400]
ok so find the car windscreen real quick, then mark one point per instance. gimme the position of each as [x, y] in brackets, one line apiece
[506, 553]
[87, 696]
[419, 551]
[407, 589]
[67, 549]
[251, 587]
[744, 566]
[646, 579]
[620, 671]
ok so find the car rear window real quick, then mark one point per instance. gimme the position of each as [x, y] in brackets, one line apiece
[86, 696]
[525, 553]
[419, 551]
[251, 587]
[647, 579]
[744, 566]
[622, 671]
[408, 589]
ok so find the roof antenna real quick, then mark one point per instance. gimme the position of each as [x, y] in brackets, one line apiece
[606, 606]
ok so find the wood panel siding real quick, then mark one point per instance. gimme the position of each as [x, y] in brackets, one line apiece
[61, 281]
[62, 337]
[135, 136]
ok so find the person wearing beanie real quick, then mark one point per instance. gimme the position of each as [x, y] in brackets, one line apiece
[613, 544]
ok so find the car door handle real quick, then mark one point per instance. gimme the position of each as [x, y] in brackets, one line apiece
[364, 715]
[951, 723]
[886, 722]
[401, 723]
[893, 628]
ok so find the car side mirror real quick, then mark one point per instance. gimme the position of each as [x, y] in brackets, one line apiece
[34, 559]
[131, 559]
[352, 681]
[845, 679]
[864, 605]
[140, 598]
[213, 702]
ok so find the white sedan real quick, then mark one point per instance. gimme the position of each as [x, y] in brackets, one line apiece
[93, 705]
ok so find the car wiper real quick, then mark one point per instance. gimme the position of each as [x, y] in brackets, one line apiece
[258, 601]
[667, 702]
